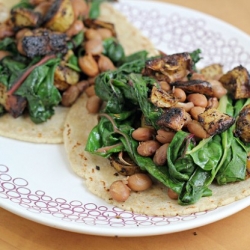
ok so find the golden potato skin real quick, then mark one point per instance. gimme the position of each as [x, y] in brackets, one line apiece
[212, 71]
[237, 82]
[25, 18]
[215, 122]
[63, 18]
[64, 76]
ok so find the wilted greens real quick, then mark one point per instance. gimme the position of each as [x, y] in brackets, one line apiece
[190, 167]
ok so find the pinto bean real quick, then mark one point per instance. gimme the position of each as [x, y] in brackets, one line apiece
[164, 136]
[75, 28]
[195, 128]
[179, 94]
[91, 80]
[82, 85]
[218, 88]
[148, 148]
[212, 102]
[143, 134]
[197, 76]
[92, 34]
[160, 157]
[195, 111]
[90, 91]
[43, 7]
[119, 191]
[93, 104]
[88, 65]
[139, 182]
[80, 8]
[197, 99]
[165, 86]
[70, 95]
[93, 47]
[105, 64]
[5, 31]
[104, 33]
[172, 194]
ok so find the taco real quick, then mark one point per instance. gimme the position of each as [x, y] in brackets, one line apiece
[98, 175]
[206, 170]
[48, 128]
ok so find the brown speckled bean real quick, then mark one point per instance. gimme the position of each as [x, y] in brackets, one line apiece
[148, 148]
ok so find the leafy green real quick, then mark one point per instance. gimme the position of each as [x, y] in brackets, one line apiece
[113, 50]
[38, 88]
[40, 91]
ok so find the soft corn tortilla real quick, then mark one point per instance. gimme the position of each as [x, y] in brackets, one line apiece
[24, 129]
[96, 171]
[154, 201]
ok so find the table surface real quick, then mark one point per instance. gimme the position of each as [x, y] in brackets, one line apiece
[230, 233]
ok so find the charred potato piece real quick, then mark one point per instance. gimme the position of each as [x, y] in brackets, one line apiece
[171, 67]
[64, 76]
[22, 17]
[237, 82]
[60, 16]
[43, 42]
[173, 118]
[124, 166]
[195, 86]
[162, 99]
[242, 129]
[95, 24]
[15, 105]
[212, 71]
[215, 122]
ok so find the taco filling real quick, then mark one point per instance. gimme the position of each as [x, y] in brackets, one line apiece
[168, 140]
[50, 53]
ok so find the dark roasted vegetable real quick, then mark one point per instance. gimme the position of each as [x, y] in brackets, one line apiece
[42, 42]
[242, 128]
[173, 118]
[237, 82]
[215, 122]
[170, 68]
[23, 17]
[195, 86]
[123, 164]
[60, 16]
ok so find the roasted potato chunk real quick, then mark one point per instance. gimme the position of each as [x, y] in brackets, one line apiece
[242, 128]
[15, 105]
[195, 86]
[215, 122]
[42, 42]
[173, 118]
[170, 68]
[237, 82]
[60, 16]
[213, 71]
[64, 76]
[124, 166]
[22, 18]
[162, 99]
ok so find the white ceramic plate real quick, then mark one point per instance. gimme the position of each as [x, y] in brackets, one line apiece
[36, 181]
